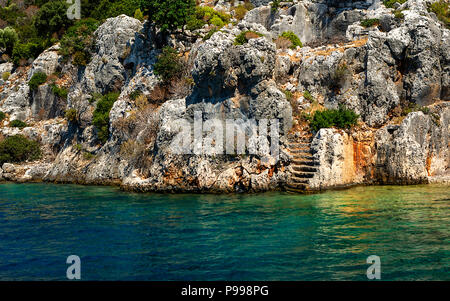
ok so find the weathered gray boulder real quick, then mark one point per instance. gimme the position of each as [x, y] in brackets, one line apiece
[333, 152]
[47, 62]
[17, 102]
[416, 150]
[221, 68]
[105, 72]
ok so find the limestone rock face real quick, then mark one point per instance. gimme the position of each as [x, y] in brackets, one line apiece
[46, 104]
[47, 62]
[220, 67]
[105, 71]
[333, 150]
[377, 71]
[17, 102]
[417, 150]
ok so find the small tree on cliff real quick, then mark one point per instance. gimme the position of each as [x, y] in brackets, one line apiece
[169, 15]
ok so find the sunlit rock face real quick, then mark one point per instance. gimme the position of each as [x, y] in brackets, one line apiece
[395, 75]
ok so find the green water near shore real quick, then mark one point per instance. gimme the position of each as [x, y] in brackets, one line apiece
[271, 236]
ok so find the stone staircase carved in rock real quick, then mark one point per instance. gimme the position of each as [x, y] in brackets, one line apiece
[303, 166]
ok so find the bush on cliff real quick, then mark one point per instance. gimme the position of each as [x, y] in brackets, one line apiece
[15, 149]
[295, 40]
[8, 38]
[342, 118]
[101, 115]
[207, 15]
[72, 115]
[18, 124]
[37, 79]
[245, 36]
[241, 10]
[2, 116]
[168, 64]
[370, 22]
[52, 17]
[112, 8]
[24, 51]
[391, 3]
[169, 15]
[77, 40]
[442, 11]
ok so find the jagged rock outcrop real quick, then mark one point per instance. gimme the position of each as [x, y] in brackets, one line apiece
[415, 151]
[380, 72]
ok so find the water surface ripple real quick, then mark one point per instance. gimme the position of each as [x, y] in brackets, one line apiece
[272, 236]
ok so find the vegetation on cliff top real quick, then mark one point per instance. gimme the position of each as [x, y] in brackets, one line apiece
[169, 14]
[391, 3]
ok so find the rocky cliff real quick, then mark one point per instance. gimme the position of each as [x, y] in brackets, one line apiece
[395, 74]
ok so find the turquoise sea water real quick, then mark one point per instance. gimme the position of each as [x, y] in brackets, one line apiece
[273, 236]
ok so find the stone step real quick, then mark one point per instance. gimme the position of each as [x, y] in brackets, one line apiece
[298, 180]
[300, 161]
[304, 174]
[300, 151]
[297, 187]
[295, 145]
[300, 168]
[303, 156]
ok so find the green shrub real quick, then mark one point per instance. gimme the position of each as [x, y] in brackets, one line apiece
[293, 38]
[138, 14]
[342, 118]
[81, 58]
[135, 94]
[240, 11]
[308, 96]
[15, 149]
[275, 5]
[370, 22]
[104, 9]
[207, 15]
[23, 51]
[6, 75]
[245, 36]
[390, 3]
[101, 115]
[52, 17]
[59, 91]
[169, 15]
[216, 21]
[88, 156]
[2, 116]
[168, 65]
[18, 124]
[398, 14]
[37, 79]
[8, 38]
[289, 95]
[441, 10]
[72, 115]
[77, 40]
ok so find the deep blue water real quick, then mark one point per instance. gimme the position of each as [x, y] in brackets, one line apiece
[273, 236]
